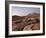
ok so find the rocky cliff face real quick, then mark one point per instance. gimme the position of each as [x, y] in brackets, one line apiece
[25, 23]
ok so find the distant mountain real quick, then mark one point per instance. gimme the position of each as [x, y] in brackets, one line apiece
[33, 14]
[29, 14]
[36, 13]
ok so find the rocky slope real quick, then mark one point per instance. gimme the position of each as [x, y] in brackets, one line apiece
[25, 23]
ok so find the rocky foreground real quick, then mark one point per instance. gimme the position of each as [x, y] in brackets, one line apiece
[25, 23]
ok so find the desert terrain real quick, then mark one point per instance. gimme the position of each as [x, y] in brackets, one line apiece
[26, 23]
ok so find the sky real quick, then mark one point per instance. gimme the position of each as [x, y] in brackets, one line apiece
[23, 11]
